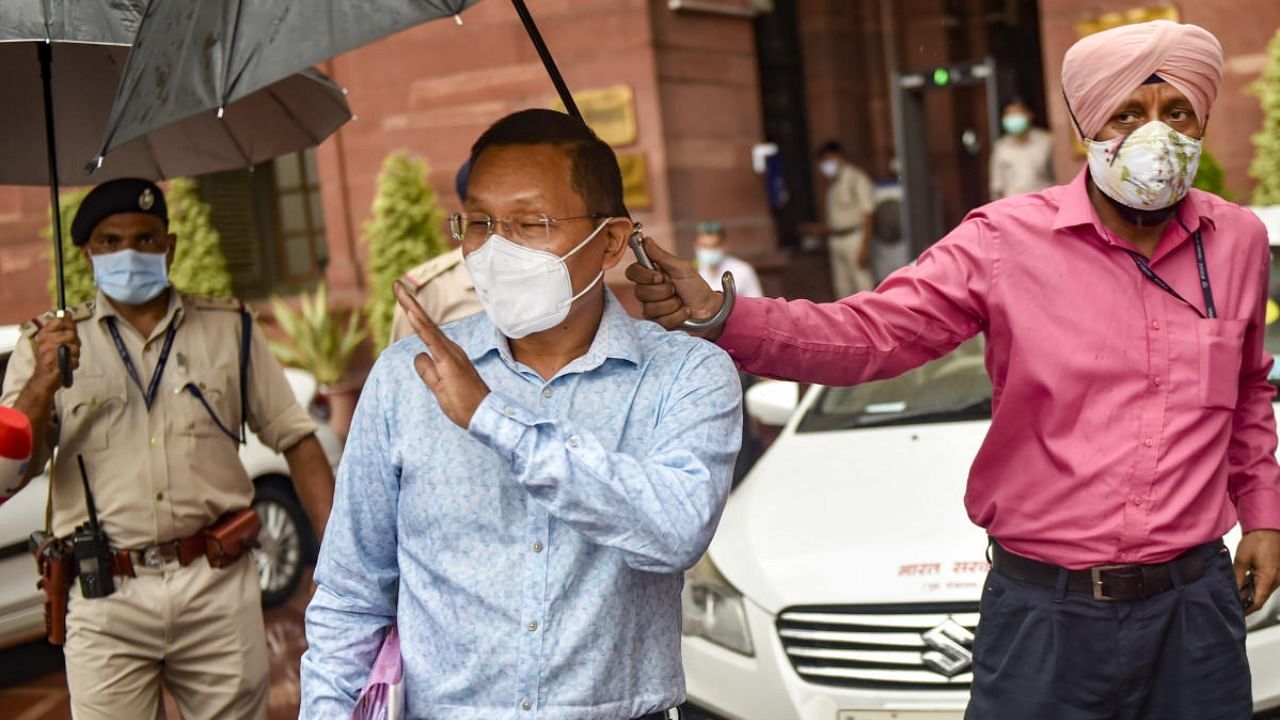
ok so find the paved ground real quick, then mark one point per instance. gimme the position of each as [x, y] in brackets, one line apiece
[33, 687]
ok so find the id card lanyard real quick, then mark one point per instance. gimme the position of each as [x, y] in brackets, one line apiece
[1210, 310]
[149, 392]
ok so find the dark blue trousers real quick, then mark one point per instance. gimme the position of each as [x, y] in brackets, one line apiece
[1045, 654]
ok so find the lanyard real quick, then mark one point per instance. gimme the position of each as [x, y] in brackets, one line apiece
[148, 394]
[1211, 311]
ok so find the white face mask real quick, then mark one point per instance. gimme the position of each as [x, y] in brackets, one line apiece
[523, 290]
[829, 168]
[1150, 169]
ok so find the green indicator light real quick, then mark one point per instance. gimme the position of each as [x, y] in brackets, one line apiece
[941, 76]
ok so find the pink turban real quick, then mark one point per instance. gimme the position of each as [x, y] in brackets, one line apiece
[1102, 69]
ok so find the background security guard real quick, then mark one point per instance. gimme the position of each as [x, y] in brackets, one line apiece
[441, 285]
[155, 412]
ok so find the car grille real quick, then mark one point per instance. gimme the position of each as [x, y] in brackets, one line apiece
[865, 646]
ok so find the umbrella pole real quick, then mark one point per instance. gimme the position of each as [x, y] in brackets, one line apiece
[548, 62]
[45, 50]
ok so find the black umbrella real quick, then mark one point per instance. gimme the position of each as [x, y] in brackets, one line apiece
[86, 42]
[30, 32]
[198, 56]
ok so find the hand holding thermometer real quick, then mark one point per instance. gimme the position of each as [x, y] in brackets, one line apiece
[636, 241]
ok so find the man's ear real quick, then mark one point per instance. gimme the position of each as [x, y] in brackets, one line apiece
[616, 234]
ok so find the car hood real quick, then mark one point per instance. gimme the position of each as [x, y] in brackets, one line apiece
[866, 516]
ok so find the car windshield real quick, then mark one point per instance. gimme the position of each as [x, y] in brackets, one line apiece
[1272, 341]
[951, 388]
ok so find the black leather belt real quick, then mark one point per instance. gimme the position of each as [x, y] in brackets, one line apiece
[1109, 582]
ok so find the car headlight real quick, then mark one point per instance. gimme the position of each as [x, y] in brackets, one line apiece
[1268, 616]
[713, 609]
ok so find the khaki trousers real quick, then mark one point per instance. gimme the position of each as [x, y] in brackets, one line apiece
[846, 277]
[197, 628]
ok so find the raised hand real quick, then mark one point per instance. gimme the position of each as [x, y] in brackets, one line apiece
[673, 293]
[446, 370]
[58, 332]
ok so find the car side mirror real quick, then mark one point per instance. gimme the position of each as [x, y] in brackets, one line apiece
[772, 402]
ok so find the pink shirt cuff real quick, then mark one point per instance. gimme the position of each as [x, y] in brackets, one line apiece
[1259, 510]
[744, 330]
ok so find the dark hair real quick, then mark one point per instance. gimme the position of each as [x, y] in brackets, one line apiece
[830, 147]
[595, 176]
[711, 227]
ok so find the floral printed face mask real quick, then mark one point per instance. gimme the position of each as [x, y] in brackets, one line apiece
[1149, 169]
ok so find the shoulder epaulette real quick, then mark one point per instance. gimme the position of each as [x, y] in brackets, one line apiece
[79, 313]
[429, 270]
[209, 302]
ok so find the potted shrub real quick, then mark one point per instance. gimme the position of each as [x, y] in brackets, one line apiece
[322, 344]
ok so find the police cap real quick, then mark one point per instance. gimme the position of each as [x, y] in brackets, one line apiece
[126, 195]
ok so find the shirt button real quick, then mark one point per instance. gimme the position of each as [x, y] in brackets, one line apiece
[1157, 381]
[1148, 442]
[546, 392]
[1155, 324]
[508, 411]
[537, 546]
[159, 496]
[1137, 500]
[526, 705]
[153, 441]
[572, 441]
[533, 626]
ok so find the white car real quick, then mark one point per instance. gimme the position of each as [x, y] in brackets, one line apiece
[287, 541]
[845, 561]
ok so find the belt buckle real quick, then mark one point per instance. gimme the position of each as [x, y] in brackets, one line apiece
[153, 558]
[1095, 575]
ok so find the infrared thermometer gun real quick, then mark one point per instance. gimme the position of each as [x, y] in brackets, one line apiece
[636, 241]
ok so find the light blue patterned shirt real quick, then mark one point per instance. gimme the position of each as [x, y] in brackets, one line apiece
[534, 562]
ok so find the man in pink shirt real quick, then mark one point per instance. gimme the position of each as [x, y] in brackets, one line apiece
[1131, 419]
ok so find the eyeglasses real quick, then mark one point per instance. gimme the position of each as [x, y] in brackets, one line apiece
[530, 229]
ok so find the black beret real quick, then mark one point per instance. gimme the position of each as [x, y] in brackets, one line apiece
[126, 195]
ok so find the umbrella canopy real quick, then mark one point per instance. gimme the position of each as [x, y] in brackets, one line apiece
[89, 48]
[198, 56]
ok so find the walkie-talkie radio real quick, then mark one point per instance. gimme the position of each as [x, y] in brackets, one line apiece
[92, 549]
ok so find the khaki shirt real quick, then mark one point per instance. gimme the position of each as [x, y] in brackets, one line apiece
[443, 288]
[1021, 166]
[848, 200]
[162, 474]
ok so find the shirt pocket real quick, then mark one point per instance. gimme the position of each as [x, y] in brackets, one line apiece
[221, 399]
[93, 404]
[1220, 344]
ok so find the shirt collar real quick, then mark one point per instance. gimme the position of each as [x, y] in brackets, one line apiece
[173, 314]
[1075, 209]
[615, 338]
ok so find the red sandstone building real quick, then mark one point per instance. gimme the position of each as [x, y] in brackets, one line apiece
[684, 90]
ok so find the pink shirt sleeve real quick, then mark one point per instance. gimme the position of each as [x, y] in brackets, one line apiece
[1252, 478]
[919, 313]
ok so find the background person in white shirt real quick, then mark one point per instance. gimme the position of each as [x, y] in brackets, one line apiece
[713, 260]
[1022, 159]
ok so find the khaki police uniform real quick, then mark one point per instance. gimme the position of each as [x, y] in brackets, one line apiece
[159, 475]
[443, 287]
[849, 202]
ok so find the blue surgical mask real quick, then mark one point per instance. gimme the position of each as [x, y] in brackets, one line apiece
[709, 257]
[1015, 124]
[131, 277]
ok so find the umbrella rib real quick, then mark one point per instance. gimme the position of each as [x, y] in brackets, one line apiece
[226, 127]
[155, 158]
[288, 112]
